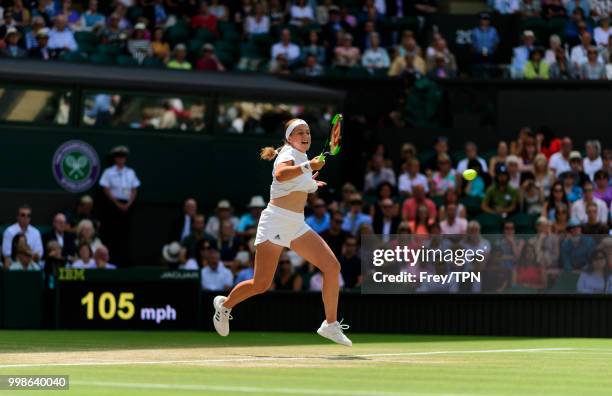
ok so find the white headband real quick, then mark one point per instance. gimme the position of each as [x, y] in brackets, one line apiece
[292, 126]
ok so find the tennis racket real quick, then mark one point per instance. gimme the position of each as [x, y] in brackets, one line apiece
[332, 144]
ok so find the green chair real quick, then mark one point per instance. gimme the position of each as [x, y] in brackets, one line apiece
[205, 35]
[249, 50]
[357, 72]
[134, 13]
[565, 283]
[524, 223]
[472, 205]
[153, 63]
[223, 26]
[226, 58]
[102, 59]
[490, 223]
[231, 35]
[75, 57]
[335, 72]
[381, 72]
[177, 34]
[557, 26]
[85, 37]
[425, 156]
[43, 228]
[438, 200]
[87, 48]
[109, 49]
[195, 46]
[126, 60]
[226, 46]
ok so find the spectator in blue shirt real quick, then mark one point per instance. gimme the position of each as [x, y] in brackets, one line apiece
[91, 18]
[576, 248]
[61, 37]
[355, 217]
[248, 220]
[319, 221]
[484, 40]
[520, 55]
[582, 4]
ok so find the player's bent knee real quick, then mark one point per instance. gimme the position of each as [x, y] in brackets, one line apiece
[261, 286]
[331, 267]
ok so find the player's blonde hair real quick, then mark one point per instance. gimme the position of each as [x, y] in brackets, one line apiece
[269, 153]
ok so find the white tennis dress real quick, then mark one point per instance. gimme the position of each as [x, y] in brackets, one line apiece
[278, 225]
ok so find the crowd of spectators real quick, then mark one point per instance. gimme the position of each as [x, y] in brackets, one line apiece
[548, 202]
[307, 37]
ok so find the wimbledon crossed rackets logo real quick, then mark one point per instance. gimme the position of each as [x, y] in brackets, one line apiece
[76, 166]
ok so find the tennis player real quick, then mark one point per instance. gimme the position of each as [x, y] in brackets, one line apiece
[282, 226]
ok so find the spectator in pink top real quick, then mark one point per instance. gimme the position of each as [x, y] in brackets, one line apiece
[347, 55]
[445, 178]
[409, 209]
[453, 225]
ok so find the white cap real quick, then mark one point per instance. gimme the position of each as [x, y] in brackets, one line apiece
[257, 202]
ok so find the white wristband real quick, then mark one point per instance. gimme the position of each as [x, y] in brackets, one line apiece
[305, 166]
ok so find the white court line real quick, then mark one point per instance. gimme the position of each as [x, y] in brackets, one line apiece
[252, 389]
[280, 359]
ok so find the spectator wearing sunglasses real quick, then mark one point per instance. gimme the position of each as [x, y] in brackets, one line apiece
[355, 217]
[388, 221]
[319, 221]
[593, 68]
[335, 235]
[592, 162]
[579, 208]
[602, 189]
[22, 226]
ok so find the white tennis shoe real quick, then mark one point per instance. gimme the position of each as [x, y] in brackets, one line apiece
[222, 316]
[334, 332]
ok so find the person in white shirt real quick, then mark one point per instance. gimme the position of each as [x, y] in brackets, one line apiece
[286, 47]
[61, 37]
[101, 258]
[22, 226]
[301, 13]
[120, 185]
[471, 152]
[85, 258]
[514, 164]
[592, 162]
[375, 57]
[215, 276]
[412, 177]
[281, 225]
[579, 208]
[579, 54]
[603, 32]
[23, 258]
[453, 224]
[259, 23]
[223, 212]
[378, 174]
[550, 56]
[559, 161]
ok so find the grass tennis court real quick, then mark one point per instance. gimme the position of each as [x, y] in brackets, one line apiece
[195, 363]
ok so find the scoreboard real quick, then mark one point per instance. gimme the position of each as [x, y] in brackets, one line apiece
[127, 299]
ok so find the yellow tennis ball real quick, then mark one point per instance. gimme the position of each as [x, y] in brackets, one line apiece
[470, 174]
